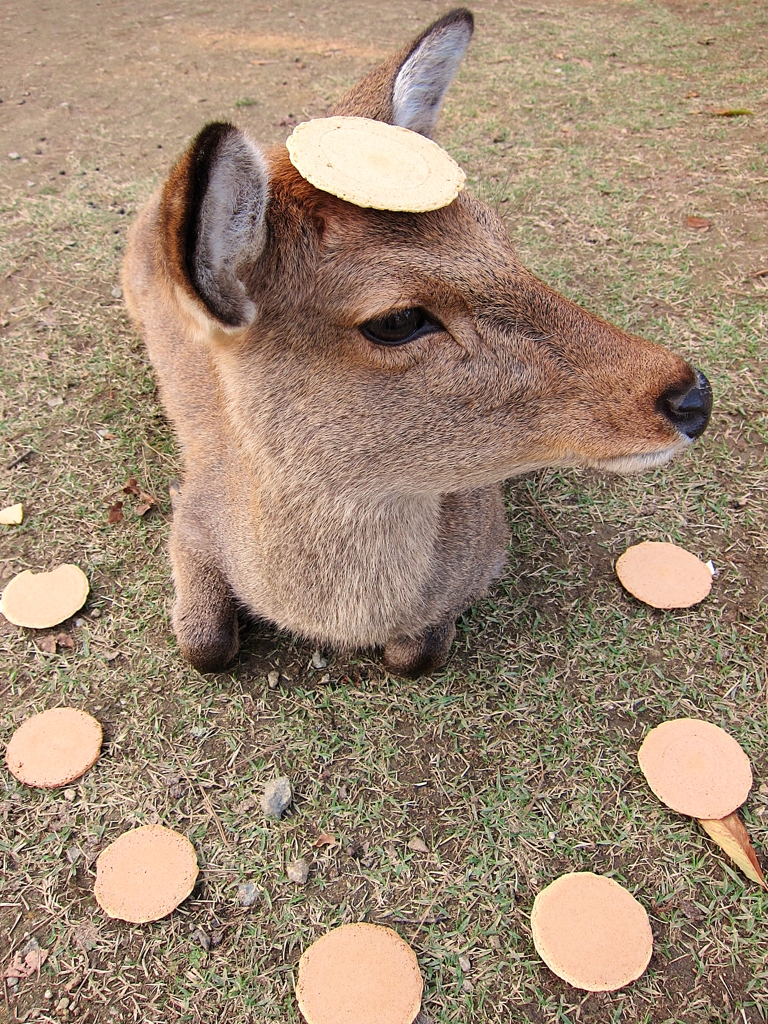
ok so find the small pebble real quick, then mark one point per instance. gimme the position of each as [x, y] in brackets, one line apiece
[298, 871]
[47, 994]
[247, 894]
[12, 982]
[199, 936]
[318, 661]
[276, 797]
[468, 986]
[465, 963]
[273, 678]
[418, 845]
[117, 293]
[63, 1004]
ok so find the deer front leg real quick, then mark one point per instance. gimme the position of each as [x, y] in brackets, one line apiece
[417, 656]
[204, 613]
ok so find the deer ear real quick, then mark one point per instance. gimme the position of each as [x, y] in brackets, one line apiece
[213, 212]
[408, 89]
[429, 69]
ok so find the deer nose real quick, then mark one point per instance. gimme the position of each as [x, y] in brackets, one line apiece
[689, 411]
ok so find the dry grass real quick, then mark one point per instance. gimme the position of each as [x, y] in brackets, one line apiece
[517, 762]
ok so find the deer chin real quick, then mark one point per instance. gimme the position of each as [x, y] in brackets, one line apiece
[642, 462]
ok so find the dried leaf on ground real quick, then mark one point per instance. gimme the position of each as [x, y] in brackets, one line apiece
[698, 223]
[418, 845]
[324, 839]
[115, 513]
[131, 486]
[730, 835]
[26, 962]
[728, 112]
[86, 935]
[47, 644]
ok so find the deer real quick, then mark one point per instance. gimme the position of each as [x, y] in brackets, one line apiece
[350, 388]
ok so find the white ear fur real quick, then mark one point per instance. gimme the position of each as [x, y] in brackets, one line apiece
[427, 72]
[230, 228]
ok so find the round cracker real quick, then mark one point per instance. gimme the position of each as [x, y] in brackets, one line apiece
[663, 575]
[695, 768]
[591, 932]
[43, 599]
[373, 164]
[54, 748]
[145, 874]
[359, 972]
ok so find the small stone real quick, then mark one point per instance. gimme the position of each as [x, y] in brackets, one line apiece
[247, 894]
[298, 871]
[277, 797]
[63, 1004]
[273, 678]
[418, 845]
[763, 789]
[54, 402]
[14, 156]
[117, 292]
[69, 795]
[318, 661]
[494, 942]
[467, 986]
[12, 982]
[47, 994]
[74, 853]
[465, 963]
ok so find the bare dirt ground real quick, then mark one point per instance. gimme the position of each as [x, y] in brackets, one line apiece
[597, 130]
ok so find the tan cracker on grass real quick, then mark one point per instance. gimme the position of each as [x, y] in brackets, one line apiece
[373, 164]
[591, 932]
[42, 599]
[695, 768]
[360, 973]
[145, 874]
[663, 575]
[54, 748]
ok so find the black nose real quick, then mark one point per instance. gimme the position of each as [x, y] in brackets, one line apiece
[690, 410]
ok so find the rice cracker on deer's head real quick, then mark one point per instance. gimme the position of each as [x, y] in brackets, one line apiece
[351, 385]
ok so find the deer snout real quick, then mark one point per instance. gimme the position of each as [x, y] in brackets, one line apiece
[689, 411]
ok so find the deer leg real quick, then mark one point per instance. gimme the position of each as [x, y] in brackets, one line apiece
[204, 613]
[416, 656]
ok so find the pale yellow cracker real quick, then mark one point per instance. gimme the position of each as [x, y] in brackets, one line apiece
[54, 748]
[695, 768]
[43, 599]
[360, 973]
[591, 932]
[373, 164]
[145, 874]
[664, 575]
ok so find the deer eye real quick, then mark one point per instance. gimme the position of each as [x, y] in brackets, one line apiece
[399, 327]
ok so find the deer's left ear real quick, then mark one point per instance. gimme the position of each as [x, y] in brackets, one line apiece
[408, 89]
[429, 69]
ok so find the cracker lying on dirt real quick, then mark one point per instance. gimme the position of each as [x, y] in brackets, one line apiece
[373, 164]
[54, 748]
[359, 972]
[42, 599]
[695, 768]
[145, 874]
[663, 575]
[591, 932]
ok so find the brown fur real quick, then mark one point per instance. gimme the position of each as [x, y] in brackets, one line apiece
[349, 491]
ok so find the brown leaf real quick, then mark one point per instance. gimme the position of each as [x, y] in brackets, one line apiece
[115, 513]
[418, 845]
[730, 112]
[65, 640]
[691, 95]
[47, 644]
[730, 835]
[148, 499]
[86, 935]
[24, 965]
[141, 510]
[324, 839]
[131, 486]
[698, 223]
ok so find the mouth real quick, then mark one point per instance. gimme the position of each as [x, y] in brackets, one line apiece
[642, 462]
